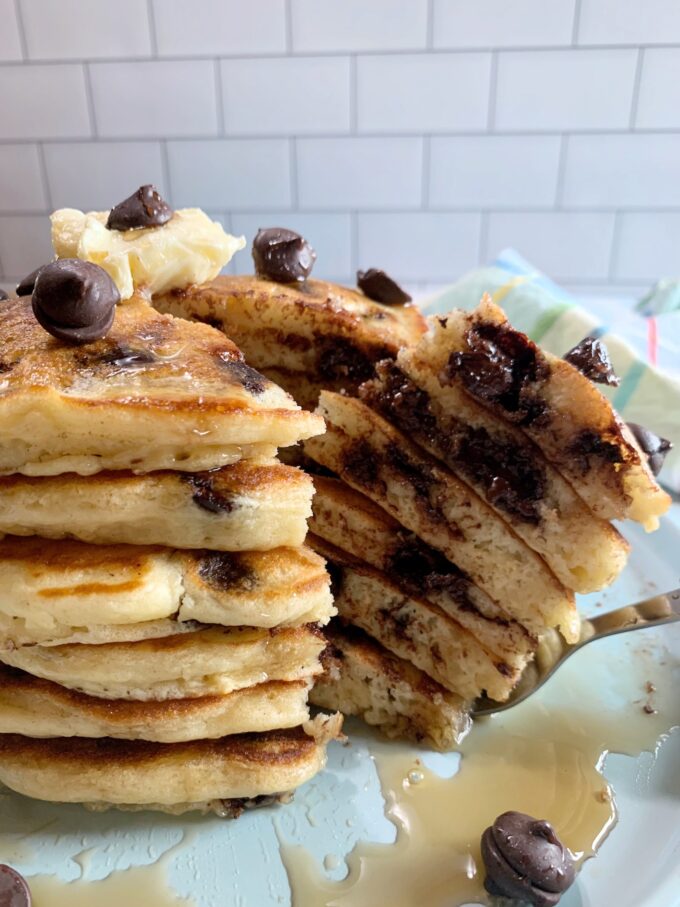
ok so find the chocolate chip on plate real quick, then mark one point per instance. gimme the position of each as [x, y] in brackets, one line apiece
[144, 208]
[591, 358]
[652, 445]
[14, 890]
[25, 287]
[282, 255]
[380, 287]
[75, 300]
[525, 859]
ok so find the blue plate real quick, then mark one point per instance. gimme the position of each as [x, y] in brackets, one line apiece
[215, 862]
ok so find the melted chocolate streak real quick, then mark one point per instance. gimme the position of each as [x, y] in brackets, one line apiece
[511, 479]
[225, 570]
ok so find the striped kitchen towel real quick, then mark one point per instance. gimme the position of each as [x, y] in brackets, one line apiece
[644, 346]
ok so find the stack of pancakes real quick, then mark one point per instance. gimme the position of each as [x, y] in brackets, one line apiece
[159, 614]
[476, 478]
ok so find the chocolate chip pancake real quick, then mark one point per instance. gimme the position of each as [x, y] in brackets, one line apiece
[306, 336]
[39, 708]
[502, 465]
[201, 775]
[362, 678]
[58, 591]
[156, 393]
[250, 505]
[373, 457]
[557, 406]
[208, 661]
[352, 522]
[415, 629]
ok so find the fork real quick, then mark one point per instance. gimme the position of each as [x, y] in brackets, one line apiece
[553, 651]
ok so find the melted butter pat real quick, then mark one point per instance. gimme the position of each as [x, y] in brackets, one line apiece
[535, 760]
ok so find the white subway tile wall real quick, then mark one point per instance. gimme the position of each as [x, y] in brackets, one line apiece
[420, 136]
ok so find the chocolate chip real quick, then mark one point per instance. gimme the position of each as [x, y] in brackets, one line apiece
[379, 286]
[14, 890]
[499, 366]
[144, 208]
[75, 300]
[652, 445]
[205, 494]
[525, 859]
[3, 296]
[338, 359]
[247, 377]
[591, 358]
[25, 287]
[226, 570]
[282, 255]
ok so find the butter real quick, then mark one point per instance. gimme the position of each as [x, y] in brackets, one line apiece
[190, 249]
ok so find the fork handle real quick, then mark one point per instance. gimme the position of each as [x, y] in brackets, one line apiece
[655, 611]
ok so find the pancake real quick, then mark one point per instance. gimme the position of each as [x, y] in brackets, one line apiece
[156, 393]
[209, 661]
[414, 629]
[503, 466]
[362, 678]
[55, 590]
[320, 334]
[172, 777]
[428, 500]
[556, 405]
[39, 708]
[247, 506]
[350, 521]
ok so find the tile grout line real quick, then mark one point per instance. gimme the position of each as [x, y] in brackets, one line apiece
[429, 38]
[493, 88]
[165, 169]
[613, 251]
[23, 43]
[89, 96]
[293, 176]
[288, 25]
[153, 37]
[561, 170]
[637, 82]
[42, 165]
[619, 132]
[219, 99]
[577, 23]
[377, 52]
[425, 172]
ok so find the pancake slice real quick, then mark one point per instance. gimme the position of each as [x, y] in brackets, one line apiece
[171, 777]
[557, 406]
[362, 678]
[503, 466]
[247, 506]
[352, 522]
[206, 662]
[415, 629]
[39, 708]
[427, 499]
[314, 336]
[57, 591]
[156, 393]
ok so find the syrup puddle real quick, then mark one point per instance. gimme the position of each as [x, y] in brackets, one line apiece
[148, 885]
[535, 759]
